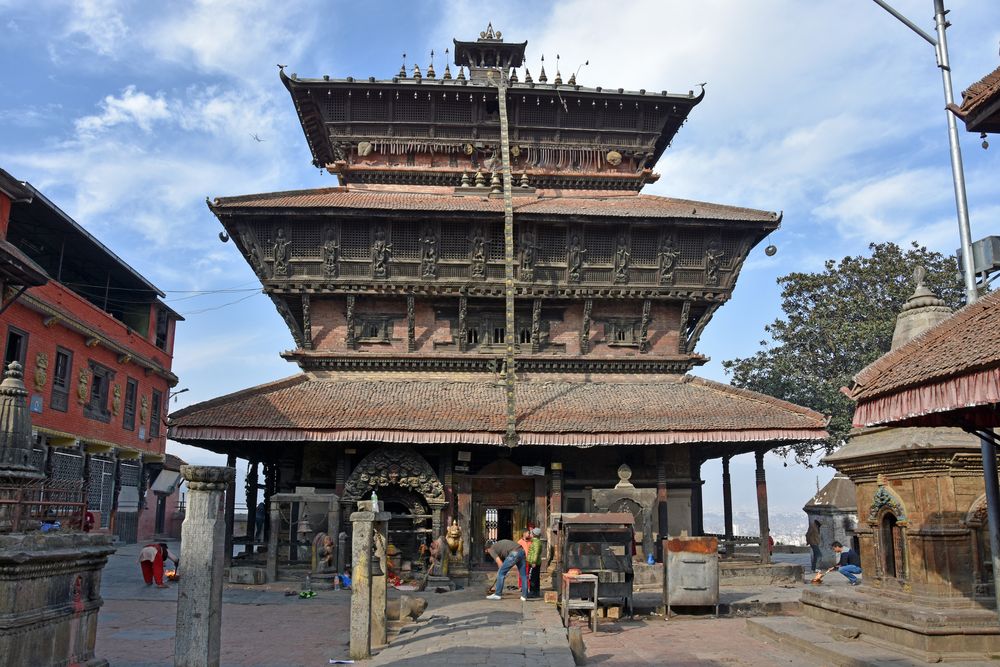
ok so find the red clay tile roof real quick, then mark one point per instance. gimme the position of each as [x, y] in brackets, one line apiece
[951, 366]
[978, 95]
[625, 205]
[677, 409]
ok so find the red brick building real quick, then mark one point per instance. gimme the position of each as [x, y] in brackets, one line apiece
[96, 344]
[488, 236]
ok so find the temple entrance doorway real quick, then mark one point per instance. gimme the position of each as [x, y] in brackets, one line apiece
[409, 523]
[503, 506]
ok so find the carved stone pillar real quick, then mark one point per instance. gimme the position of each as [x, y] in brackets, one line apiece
[199, 601]
[230, 510]
[588, 307]
[448, 479]
[367, 612]
[662, 496]
[697, 510]
[350, 340]
[437, 528]
[340, 473]
[411, 338]
[765, 530]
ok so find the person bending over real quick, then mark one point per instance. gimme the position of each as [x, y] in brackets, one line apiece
[507, 554]
[848, 563]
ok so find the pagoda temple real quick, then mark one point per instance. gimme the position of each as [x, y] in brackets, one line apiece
[493, 324]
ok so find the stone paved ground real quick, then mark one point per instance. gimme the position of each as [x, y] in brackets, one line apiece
[264, 628]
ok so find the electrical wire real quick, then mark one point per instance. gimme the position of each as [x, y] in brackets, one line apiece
[220, 306]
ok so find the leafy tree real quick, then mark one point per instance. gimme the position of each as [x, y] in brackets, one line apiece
[837, 322]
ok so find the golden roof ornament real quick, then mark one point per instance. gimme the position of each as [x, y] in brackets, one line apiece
[402, 68]
[490, 35]
[541, 75]
[430, 68]
[558, 79]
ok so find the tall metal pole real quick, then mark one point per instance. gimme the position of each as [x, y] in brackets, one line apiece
[992, 505]
[510, 438]
[957, 171]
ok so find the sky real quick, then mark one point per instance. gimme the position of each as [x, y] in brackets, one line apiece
[129, 114]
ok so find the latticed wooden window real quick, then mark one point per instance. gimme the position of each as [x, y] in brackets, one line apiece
[454, 112]
[537, 112]
[730, 245]
[412, 111]
[625, 118]
[405, 241]
[454, 241]
[583, 114]
[692, 244]
[600, 244]
[551, 243]
[354, 241]
[305, 241]
[496, 243]
[652, 120]
[644, 247]
[336, 108]
[369, 107]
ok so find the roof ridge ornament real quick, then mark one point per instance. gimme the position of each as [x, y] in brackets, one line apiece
[430, 68]
[402, 68]
[558, 79]
[490, 35]
[447, 68]
[541, 75]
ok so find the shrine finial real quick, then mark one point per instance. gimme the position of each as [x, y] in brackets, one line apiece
[558, 79]
[490, 34]
[430, 68]
[402, 68]
[541, 75]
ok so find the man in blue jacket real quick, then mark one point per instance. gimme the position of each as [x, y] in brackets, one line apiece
[848, 563]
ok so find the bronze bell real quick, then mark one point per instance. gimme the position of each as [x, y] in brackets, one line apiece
[376, 565]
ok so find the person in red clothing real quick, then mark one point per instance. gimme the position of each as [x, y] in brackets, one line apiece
[151, 561]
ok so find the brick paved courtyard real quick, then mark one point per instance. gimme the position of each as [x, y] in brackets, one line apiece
[262, 627]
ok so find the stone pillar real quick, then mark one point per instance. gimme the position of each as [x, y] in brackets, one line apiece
[437, 527]
[727, 506]
[697, 510]
[367, 607]
[230, 511]
[199, 599]
[662, 510]
[273, 531]
[380, 583]
[765, 531]
[251, 489]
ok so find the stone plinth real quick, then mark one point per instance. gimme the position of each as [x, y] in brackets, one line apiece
[50, 597]
[203, 536]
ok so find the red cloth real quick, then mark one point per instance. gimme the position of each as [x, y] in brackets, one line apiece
[152, 570]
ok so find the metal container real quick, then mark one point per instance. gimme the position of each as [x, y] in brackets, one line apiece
[602, 544]
[691, 572]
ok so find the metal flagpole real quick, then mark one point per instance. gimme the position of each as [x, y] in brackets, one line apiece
[510, 438]
[957, 171]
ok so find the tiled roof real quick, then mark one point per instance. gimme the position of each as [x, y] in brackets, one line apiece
[979, 94]
[675, 409]
[967, 341]
[576, 203]
[172, 462]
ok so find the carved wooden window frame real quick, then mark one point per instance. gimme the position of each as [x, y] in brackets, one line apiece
[62, 378]
[155, 412]
[20, 341]
[622, 332]
[96, 407]
[129, 411]
[374, 328]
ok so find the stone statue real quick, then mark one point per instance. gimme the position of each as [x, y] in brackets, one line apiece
[331, 253]
[428, 253]
[381, 254]
[574, 256]
[116, 400]
[919, 273]
[143, 410]
[82, 387]
[323, 554]
[478, 254]
[282, 253]
[668, 255]
[622, 257]
[41, 370]
[713, 258]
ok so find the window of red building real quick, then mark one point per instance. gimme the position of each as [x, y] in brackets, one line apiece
[61, 378]
[131, 390]
[154, 418]
[100, 385]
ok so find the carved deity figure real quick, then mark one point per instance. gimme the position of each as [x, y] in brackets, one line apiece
[143, 410]
[331, 253]
[41, 370]
[478, 253]
[82, 387]
[116, 400]
[253, 252]
[668, 254]
[528, 248]
[622, 257]
[381, 254]
[713, 258]
[323, 554]
[574, 256]
[282, 251]
[428, 253]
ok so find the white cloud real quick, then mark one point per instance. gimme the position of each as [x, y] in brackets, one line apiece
[138, 108]
[97, 25]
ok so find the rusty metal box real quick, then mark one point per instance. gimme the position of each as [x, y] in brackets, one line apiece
[691, 572]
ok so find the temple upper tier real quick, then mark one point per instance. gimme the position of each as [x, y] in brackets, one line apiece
[419, 128]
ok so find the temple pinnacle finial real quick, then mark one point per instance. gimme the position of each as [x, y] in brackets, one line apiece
[430, 68]
[558, 79]
[461, 73]
[919, 273]
[513, 75]
[490, 34]
[416, 72]
[541, 75]
[447, 69]
[402, 68]
[527, 75]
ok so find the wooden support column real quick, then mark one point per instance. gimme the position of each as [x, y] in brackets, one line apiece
[464, 493]
[251, 489]
[662, 508]
[307, 336]
[727, 505]
[463, 308]
[541, 504]
[446, 471]
[411, 338]
[115, 491]
[350, 339]
[588, 307]
[340, 474]
[556, 497]
[765, 531]
[270, 488]
[697, 509]
[230, 511]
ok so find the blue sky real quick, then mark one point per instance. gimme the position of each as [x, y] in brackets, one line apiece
[128, 114]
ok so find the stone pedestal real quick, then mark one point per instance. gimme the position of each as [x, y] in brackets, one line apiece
[49, 598]
[370, 526]
[203, 535]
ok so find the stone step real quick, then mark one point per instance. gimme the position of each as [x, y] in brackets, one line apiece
[840, 646]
